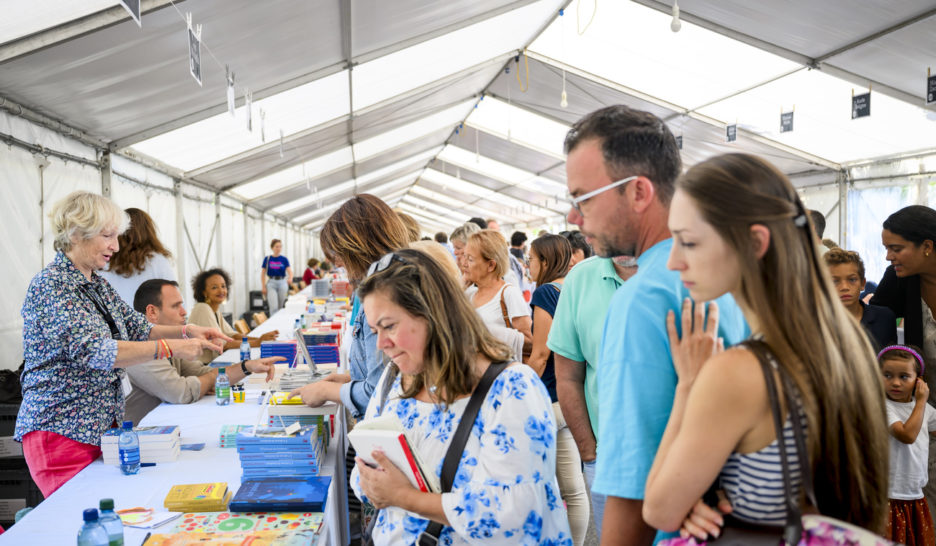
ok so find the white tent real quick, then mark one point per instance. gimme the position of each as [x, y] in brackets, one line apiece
[446, 110]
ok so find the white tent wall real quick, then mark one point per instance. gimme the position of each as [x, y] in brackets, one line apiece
[31, 192]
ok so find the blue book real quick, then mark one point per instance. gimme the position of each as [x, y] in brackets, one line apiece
[282, 495]
[276, 436]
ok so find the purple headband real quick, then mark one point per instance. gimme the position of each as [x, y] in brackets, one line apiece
[903, 348]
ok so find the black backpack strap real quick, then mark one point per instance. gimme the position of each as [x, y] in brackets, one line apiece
[793, 530]
[430, 537]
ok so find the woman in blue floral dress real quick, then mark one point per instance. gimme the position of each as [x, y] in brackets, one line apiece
[505, 489]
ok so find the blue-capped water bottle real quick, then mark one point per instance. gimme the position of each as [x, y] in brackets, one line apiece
[245, 349]
[111, 523]
[92, 533]
[128, 446]
[222, 388]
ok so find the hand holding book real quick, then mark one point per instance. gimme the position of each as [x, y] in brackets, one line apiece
[385, 484]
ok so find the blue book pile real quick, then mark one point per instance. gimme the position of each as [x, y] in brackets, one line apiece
[285, 349]
[282, 495]
[274, 453]
[304, 420]
[320, 338]
[324, 354]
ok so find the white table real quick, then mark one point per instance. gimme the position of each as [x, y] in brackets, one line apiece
[57, 519]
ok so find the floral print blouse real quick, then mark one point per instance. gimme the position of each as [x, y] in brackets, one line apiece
[505, 489]
[70, 385]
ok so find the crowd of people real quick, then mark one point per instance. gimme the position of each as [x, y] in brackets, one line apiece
[695, 358]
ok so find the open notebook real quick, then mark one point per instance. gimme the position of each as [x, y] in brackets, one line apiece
[385, 433]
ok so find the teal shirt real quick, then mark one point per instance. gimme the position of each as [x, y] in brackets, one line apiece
[636, 378]
[579, 321]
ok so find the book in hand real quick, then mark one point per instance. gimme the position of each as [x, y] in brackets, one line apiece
[290, 494]
[386, 434]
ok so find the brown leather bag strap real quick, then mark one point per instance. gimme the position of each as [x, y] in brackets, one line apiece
[504, 308]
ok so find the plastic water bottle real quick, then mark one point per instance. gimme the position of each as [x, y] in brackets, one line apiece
[129, 447]
[245, 349]
[222, 388]
[303, 323]
[296, 325]
[92, 533]
[111, 523]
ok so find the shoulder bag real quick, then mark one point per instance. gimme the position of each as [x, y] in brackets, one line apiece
[430, 537]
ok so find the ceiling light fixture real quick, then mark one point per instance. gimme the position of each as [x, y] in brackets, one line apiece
[676, 24]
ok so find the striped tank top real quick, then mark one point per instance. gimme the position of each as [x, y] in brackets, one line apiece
[754, 481]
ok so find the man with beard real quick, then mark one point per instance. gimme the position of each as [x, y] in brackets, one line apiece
[621, 170]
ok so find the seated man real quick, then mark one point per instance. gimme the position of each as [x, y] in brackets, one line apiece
[174, 380]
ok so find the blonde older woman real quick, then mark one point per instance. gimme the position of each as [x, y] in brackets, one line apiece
[78, 335]
[499, 303]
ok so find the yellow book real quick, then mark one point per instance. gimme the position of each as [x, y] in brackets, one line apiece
[197, 495]
[282, 399]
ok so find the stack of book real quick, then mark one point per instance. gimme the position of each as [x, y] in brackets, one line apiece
[228, 436]
[341, 288]
[286, 349]
[158, 444]
[284, 416]
[272, 452]
[198, 497]
[320, 288]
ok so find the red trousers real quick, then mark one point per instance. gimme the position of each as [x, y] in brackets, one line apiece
[54, 459]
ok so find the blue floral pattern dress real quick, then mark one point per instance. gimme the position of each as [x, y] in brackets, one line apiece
[505, 489]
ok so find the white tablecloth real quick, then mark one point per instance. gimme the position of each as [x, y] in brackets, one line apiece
[57, 519]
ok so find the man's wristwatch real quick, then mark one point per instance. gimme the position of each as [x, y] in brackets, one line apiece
[244, 368]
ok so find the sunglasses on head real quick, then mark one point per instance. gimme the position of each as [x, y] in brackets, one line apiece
[384, 262]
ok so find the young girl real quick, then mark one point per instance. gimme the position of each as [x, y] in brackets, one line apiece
[909, 418]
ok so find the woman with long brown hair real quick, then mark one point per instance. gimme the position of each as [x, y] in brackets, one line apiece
[141, 257]
[762, 250]
[363, 229]
[503, 490]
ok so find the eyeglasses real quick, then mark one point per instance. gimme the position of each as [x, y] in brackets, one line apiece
[384, 262]
[577, 201]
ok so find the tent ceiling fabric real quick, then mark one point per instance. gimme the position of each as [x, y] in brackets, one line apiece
[384, 96]
[122, 80]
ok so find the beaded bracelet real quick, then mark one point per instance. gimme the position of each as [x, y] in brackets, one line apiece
[184, 335]
[168, 350]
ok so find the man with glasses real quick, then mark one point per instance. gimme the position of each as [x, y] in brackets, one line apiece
[621, 170]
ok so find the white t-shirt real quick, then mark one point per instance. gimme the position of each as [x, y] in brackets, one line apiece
[908, 462]
[158, 267]
[491, 313]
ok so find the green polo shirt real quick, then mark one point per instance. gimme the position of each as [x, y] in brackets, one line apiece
[579, 321]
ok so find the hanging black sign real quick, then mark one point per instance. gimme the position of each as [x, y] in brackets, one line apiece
[133, 8]
[731, 133]
[194, 56]
[931, 89]
[786, 121]
[861, 105]
[679, 142]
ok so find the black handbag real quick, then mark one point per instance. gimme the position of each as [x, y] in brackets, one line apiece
[430, 537]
